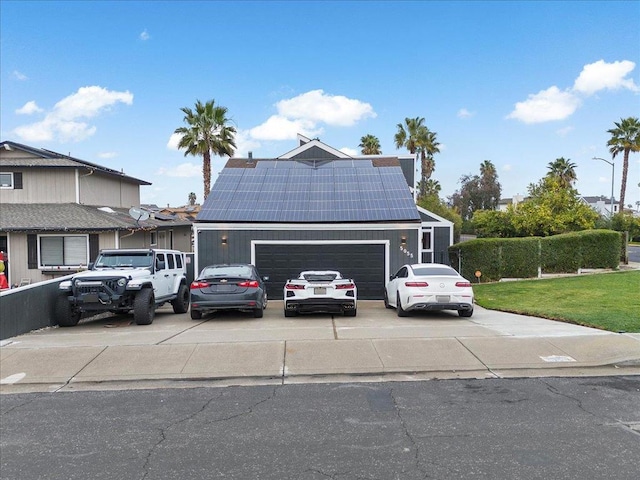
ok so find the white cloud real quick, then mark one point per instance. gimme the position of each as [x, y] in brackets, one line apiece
[144, 36]
[601, 75]
[245, 144]
[107, 154]
[278, 127]
[183, 170]
[507, 168]
[546, 105]
[173, 142]
[317, 106]
[61, 122]
[563, 132]
[29, 108]
[19, 75]
[464, 113]
[352, 152]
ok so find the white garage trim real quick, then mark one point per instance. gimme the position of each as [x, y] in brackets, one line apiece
[386, 244]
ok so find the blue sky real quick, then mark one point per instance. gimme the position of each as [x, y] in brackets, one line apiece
[517, 83]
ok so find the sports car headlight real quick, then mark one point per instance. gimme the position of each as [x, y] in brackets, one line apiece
[122, 282]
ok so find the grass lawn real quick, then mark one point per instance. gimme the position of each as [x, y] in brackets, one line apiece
[609, 301]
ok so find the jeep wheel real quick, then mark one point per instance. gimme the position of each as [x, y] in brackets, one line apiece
[181, 302]
[66, 315]
[144, 308]
[196, 314]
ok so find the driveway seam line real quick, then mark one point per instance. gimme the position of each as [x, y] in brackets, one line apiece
[80, 371]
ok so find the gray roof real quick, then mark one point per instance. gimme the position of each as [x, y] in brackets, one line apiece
[323, 190]
[43, 158]
[36, 217]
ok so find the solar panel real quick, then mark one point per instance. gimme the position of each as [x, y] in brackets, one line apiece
[310, 191]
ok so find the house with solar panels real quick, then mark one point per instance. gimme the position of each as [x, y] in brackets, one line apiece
[316, 207]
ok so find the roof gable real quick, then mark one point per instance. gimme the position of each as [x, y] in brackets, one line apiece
[40, 157]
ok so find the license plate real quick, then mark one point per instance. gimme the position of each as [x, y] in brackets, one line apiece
[91, 298]
[320, 291]
[442, 298]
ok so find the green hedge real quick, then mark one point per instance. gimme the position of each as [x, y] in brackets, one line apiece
[498, 258]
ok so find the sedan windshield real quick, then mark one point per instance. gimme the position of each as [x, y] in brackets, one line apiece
[239, 271]
[428, 271]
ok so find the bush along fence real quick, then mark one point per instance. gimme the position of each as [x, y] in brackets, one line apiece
[530, 257]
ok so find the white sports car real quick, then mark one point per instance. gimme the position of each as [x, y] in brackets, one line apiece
[320, 291]
[429, 286]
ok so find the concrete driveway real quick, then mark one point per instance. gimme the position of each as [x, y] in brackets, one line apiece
[235, 348]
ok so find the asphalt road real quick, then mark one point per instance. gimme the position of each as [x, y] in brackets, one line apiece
[568, 428]
[634, 253]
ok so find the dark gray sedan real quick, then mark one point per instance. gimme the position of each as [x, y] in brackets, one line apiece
[228, 287]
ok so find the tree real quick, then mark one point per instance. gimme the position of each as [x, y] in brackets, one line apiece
[625, 138]
[564, 170]
[478, 192]
[418, 139]
[431, 187]
[370, 145]
[207, 132]
[192, 198]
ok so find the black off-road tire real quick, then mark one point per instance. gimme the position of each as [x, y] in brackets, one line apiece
[196, 314]
[465, 313]
[181, 302]
[66, 315]
[399, 310]
[144, 307]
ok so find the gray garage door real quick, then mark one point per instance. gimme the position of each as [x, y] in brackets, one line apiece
[363, 263]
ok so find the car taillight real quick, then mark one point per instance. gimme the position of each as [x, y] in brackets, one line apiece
[416, 284]
[463, 284]
[249, 284]
[345, 286]
[293, 286]
[196, 284]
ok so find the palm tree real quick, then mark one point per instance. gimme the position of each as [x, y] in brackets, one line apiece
[624, 138]
[418, 139]
[370, 145]
[192, 198]
[564, 170]
[207, 132]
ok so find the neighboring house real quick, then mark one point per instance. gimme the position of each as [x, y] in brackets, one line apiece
[318, 208]
[57, 212]
[504, 203]
[602, 205]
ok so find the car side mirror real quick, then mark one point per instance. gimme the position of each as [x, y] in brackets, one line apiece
[265, 278]
[90, 266]
[160, 265]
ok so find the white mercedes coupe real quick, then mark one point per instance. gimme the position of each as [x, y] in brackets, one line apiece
[428, 286]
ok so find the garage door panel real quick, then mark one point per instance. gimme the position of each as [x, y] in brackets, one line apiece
[362, 262]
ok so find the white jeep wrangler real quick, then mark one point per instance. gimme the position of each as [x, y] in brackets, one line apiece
[123, 280]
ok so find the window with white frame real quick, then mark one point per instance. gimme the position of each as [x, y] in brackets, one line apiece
[63, 250]
[6, 180]
[153, 238]
[426, 240]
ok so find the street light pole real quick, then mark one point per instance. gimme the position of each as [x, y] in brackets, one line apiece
[613, 172]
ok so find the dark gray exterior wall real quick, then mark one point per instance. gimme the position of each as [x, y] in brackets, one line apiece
[211, 250]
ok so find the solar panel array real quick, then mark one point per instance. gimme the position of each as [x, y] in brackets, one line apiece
[310, 192]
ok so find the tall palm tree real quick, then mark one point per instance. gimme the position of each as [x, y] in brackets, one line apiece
[370, 145]
[488, 169]
[418, 139]
[192, 198]
[564, 170]
[207, 132]
[625, 138]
